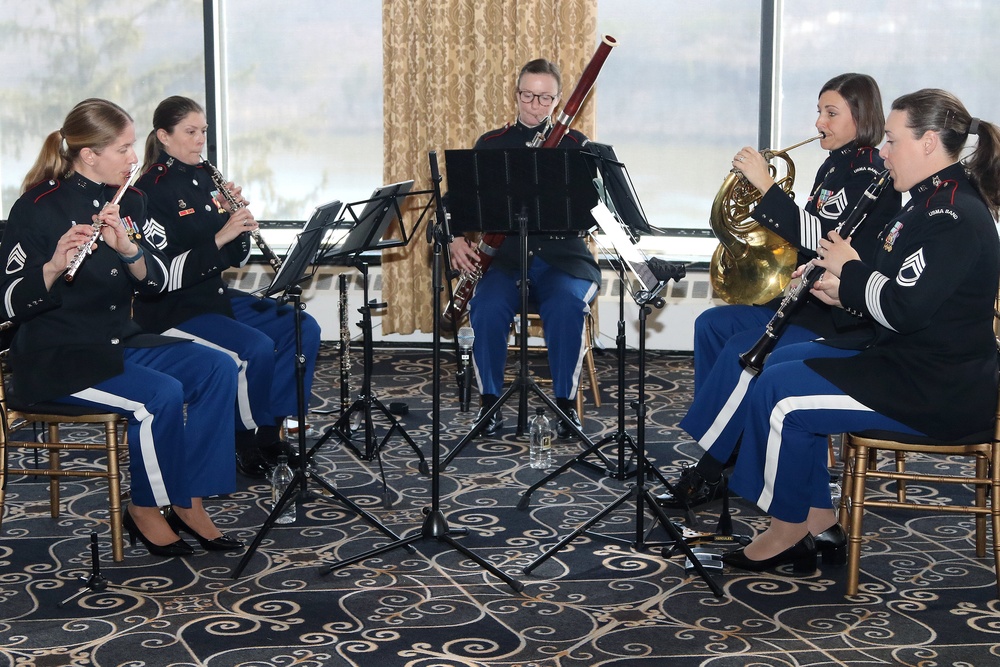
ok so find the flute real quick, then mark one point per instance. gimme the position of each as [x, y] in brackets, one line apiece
[88, 247]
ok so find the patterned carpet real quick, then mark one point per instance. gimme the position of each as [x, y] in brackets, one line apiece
[925, 599]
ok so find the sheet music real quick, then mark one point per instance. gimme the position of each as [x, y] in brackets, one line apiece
[628, 251]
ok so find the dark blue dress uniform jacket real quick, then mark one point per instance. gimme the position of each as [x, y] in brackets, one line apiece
[73, 336]
[184, 219]
[933, 362]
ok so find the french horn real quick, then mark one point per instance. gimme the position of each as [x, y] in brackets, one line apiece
[752, 264]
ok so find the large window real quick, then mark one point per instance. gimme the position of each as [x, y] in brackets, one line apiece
[55, 53]
[904, 46]
[301, 98]
[680, 95]
[677, 97]
[298, 86]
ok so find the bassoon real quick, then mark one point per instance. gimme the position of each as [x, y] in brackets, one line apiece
[753, 359]
[490, 243]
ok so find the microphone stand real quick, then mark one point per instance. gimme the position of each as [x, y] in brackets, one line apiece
[466, 337]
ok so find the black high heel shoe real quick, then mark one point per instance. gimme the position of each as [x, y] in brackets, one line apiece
[178, 548]
[831, 544]
[802, 556]
[223, 543]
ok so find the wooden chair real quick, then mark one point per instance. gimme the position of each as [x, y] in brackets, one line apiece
[860, 452]
[535, 329]
[13, 417]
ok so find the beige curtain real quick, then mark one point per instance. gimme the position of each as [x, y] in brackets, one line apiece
[449, 76]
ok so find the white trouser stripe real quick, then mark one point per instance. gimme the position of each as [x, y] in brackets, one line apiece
[726, 413]
[583, 342]
[242, 390]
[784, 408]
[146, 443]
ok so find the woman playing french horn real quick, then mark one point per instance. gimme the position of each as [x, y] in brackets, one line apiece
[76, 343]
[851, 120]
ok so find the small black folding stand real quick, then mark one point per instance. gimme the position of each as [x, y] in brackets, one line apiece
[367, 232]
[646, 297]
[286, 285]
[524, 191]
[614, 189]
[435, 526]
[96, 582]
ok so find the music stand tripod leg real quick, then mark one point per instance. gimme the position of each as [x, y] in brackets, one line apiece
[299, 486]
[96, 582]
[435, 525]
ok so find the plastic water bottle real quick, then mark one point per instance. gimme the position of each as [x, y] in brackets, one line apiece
[281, 477]
[540, 441]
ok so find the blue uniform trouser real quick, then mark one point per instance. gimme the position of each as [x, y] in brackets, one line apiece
[563, 304]
[261, 341]
[717, 413]
[172, 461]
[782, 465]
[277, 322]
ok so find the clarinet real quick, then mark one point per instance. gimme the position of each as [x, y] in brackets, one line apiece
[753, 360]
[88, 247]
[345, 347]
[220, 183]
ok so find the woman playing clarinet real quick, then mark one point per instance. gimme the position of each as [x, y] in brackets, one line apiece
[204, 232]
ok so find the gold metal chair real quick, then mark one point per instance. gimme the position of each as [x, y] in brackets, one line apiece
[52, 415]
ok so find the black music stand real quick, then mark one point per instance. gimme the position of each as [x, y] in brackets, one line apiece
[615, 190]
[527, 191]
[645, 290]
[286, 288]
[435, 524]
[366, 231]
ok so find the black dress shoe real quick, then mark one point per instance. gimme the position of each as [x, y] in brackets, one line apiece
[178, 548]
[562, 428]
[250, 463]
[223, 543]
[832, 545]
[272, 451]
[691, 490]
[495, 423]
[802, 556]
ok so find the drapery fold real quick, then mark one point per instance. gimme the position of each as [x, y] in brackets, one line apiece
[449, 75]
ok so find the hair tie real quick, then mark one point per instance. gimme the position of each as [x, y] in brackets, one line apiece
[974, 126]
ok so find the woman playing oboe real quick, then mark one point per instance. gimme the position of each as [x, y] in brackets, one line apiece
[199, 230]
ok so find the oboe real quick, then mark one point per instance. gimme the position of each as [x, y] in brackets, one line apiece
[753, 360]
[235, 205]
[88, 247]
[345, 347]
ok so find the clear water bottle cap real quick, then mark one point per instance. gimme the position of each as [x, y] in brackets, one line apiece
[282, 459]
[539, 411]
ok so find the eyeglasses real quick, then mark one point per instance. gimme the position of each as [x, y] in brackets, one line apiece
[528, 97]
